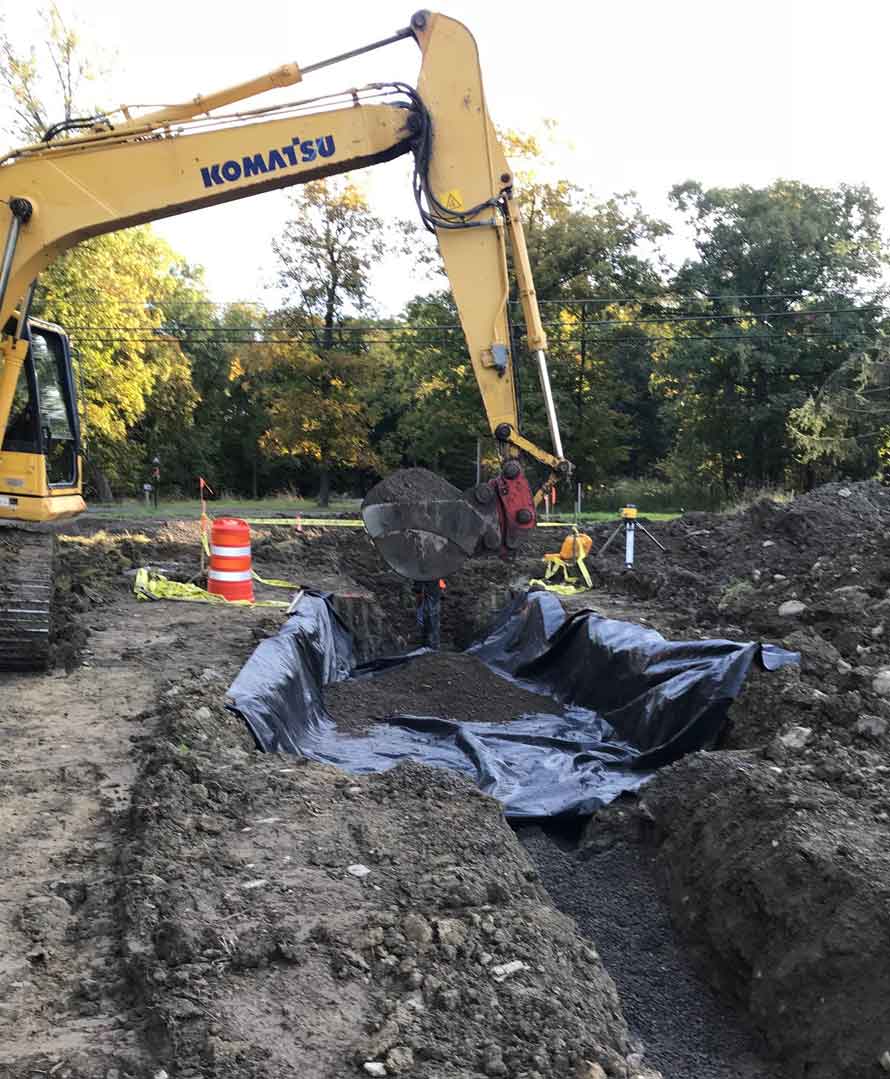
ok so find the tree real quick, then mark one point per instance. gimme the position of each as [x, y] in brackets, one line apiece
[325, 258]
[435, 413]
[46, 87]
[846, 423]
[109, 291]
[776, 308]
[594, 272]
[109, 294]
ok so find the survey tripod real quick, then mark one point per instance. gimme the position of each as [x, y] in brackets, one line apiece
[629, 524]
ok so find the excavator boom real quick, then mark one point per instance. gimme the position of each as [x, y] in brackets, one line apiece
[113, 172]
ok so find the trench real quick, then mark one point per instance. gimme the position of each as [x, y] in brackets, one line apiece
[602, 872]
[610, 888]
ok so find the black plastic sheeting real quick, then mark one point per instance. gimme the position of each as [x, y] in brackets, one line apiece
[633, 702]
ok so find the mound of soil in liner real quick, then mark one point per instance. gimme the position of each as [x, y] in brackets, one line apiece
[411, 485]
[447, 685]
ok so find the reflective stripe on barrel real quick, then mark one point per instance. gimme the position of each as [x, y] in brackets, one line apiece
[230, 574]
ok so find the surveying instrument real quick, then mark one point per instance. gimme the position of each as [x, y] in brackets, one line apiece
[629, 524]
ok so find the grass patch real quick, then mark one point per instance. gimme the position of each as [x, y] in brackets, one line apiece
[598, 516]
[190, 510]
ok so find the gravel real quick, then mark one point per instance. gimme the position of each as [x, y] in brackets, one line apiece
[687, 1030]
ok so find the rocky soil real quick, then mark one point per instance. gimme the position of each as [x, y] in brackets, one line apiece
[609, 886]
[69, 755]
[411, 485]
[285, 919]
[176, 903]
[211, 881]
[772, 854]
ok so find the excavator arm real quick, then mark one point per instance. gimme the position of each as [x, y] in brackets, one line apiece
[185, 157]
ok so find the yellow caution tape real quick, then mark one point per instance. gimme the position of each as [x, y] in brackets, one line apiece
[307, 522]
[151, 585]
[273, 582]
[561, 589]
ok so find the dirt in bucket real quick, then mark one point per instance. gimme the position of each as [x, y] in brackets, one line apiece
[411, 485]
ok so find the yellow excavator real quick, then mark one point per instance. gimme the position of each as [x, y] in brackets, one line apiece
[103, 173]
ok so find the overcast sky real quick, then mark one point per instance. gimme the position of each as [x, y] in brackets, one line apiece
[646, 94]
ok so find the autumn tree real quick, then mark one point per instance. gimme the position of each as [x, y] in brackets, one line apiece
[109, 291]
[45, 87]
[325, 257]
[109, 294]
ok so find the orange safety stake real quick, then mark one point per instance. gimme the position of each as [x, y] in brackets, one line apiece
[205, 520]
[230, 574]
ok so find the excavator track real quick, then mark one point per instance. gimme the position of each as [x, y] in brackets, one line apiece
[26, 593]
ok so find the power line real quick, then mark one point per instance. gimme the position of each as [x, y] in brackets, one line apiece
[618, 322]
[167, 305]
[837, 335]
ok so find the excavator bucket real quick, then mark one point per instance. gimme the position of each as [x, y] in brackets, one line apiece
[423, 527]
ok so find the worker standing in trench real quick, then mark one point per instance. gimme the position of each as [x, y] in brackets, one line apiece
[428, 599]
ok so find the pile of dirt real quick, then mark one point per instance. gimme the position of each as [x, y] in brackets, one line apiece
[411, 485]
[778, 879]
[738, 570]
[772, 860]
[444, 684]
[283, 918]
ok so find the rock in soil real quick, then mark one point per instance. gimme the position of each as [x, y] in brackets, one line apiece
[445, 684]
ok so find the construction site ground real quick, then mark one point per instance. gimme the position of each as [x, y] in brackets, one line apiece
[175, 903]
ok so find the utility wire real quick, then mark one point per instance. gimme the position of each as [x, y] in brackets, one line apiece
[617, 322]
[564, 301]
[750, 337]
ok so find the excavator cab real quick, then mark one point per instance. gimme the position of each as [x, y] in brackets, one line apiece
[40, 468]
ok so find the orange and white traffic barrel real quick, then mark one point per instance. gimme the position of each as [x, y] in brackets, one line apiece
[230, 574]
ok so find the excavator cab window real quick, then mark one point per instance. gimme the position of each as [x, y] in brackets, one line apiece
[22, 434]
[44, 417]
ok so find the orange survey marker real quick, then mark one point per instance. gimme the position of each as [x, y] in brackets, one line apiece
[230, 574]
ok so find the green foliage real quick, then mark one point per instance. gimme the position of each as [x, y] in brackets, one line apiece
[846, 423]
[755, 364]
[132, 381]
[316, 410]
[769, 262]
[433, 412]
[584, 251]
[651, 494]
